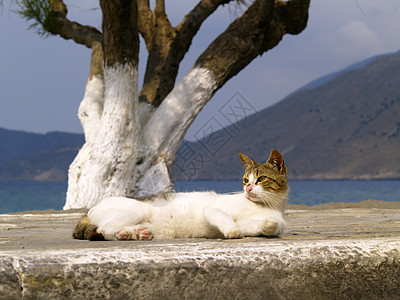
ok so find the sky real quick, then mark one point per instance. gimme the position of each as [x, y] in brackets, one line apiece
[42, 80]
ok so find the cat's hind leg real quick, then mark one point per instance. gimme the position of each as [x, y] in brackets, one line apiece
[138, 232]
[84, 230]
[114, 213]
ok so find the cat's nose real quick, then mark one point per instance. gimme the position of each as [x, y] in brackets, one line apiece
[249, 188]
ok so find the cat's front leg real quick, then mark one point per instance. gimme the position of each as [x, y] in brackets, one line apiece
[223, 222]
[268, 227]
[250, 227]
[273, 226]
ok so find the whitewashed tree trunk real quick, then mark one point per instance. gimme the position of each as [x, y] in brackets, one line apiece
[105, 164]
[129, 150]
[90, 111]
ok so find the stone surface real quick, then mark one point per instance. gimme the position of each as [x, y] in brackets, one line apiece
[326, 253]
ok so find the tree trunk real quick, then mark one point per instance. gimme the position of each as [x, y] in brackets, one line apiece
[106, 163]
[119, 162]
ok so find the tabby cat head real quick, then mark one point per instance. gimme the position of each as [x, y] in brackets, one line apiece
[266, 183]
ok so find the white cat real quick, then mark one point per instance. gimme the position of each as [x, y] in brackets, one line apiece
[258, 210]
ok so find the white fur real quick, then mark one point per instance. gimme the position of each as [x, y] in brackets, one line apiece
[198, 214]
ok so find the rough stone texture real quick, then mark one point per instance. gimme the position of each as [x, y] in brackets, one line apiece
[337, 253]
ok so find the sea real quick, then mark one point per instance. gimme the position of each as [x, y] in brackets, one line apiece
[26, 196]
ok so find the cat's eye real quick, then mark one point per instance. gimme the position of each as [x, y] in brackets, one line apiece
[245, 180]
[261, 179]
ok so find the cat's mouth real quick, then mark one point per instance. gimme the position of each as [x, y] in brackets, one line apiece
[251, 196]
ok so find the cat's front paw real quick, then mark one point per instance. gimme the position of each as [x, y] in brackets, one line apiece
[134, 233]
[144, 233]
[233, 234]
[269, 226]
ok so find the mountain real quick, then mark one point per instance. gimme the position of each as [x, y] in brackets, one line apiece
[38, 157]
[324, 79]
[347, 127]
[342, 126]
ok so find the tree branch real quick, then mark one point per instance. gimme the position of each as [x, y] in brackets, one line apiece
[293, 15]
[56, 22]
[193, 20]
[167, 46]
[159, 10]
[158, 34]
[259, 29]
[96, 61]
[145, 21]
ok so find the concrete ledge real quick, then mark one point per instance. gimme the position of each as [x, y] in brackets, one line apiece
[348, 253]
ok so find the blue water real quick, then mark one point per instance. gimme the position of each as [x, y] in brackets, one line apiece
[311, 192]
[23, 196]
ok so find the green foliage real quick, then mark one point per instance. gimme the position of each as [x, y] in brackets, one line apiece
[37, 12]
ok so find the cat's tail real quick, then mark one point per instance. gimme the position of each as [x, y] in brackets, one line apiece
[84, 230]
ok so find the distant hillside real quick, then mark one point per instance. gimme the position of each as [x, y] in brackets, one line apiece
[324, 79]
[39, 157]
[344, 126]
[347, 127]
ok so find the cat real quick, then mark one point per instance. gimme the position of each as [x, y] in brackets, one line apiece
[257, 211]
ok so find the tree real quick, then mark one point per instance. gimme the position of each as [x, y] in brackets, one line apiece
[132, 138]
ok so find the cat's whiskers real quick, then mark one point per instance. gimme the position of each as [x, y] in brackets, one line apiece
[273, 200]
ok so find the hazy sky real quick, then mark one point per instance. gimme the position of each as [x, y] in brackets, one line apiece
[42, 81]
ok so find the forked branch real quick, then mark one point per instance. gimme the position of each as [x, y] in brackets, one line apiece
[168, 45]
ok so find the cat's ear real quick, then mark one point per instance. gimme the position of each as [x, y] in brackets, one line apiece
[247, 162]
[276, 160]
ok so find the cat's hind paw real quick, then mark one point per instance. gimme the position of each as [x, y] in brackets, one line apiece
[134, 233]
[269, 226]
[233, 234]
[124, 234]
